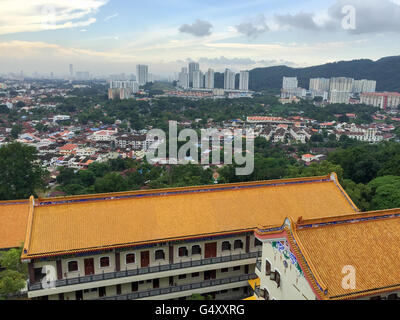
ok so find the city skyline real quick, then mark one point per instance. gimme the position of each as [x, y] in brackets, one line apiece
[99, 36]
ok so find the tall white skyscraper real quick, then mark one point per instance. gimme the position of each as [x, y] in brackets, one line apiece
[340, 89]
[183, 81]
[229, 80]
[244, 80]
[142, 74]
[364, 85]
[290, 83]
[319, 84]
[198, 79]
[193, 66]
[341, 84]
[209, 79]
[71, 70]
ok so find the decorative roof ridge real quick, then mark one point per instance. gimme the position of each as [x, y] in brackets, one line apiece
[335, 179]
[29, 225]
[306, 264]
[348, 218]
[176, 191]
[13, 202]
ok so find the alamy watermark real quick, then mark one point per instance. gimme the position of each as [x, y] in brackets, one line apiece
[238, 147]
[349, 280]
[349, 21]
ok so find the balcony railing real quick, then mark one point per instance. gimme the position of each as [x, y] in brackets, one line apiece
[186, 287]
[147, 270]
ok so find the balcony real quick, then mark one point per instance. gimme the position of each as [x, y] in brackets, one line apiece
[187, 287]
[148, 270]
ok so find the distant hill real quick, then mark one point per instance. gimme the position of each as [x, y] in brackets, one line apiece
[385, 71]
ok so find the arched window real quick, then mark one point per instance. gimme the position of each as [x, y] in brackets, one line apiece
[267, 268]
[264, 294]
[72, 266]
[278, 278]
[226, 245]
[104, 262]
[196, 249]
[160, 255]
[238, 244]
[130, 258]
[183, 252]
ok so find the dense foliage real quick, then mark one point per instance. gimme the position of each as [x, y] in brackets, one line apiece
[13, 277]
[20, 175]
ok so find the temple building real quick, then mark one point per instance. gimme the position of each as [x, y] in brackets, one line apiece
[164, 244]
[333, 258]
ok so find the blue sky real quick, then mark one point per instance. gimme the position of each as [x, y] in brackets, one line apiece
[106, 37]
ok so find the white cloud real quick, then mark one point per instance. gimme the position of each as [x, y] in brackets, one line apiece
[111, 17]
[38, 15]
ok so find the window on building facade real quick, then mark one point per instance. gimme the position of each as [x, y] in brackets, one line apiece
[104, 262]
[267, 268]
[182, 276]
[196, 249]
[130, 258]
[278, 278]
[160, 255]
[102, 292]
[392, 296]
[237, 268]
[72, 266]
[238, 244]
[183, 252]
[264, 294]
[195, 274]
[257, 242]
[226, 245]
[135, 286]
[225, 270]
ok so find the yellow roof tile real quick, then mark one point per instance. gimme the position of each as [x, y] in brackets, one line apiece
[13, 220]
[65, 225]
[368, 242]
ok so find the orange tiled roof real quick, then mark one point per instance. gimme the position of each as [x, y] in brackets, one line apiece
[13, 219]
[88, 223]
[368, 242]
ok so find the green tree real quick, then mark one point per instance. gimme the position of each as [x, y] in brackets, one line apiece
[361, 194]
[14, 277]
[386, 192]
[20, 175]
[111, 182]
[16, 131]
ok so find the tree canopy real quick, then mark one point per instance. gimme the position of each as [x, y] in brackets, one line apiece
[20, 174]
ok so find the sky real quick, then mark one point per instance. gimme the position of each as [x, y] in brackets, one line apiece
[112, 36]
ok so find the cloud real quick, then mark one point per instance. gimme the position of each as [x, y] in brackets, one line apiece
[223, 61]
[111, 17]
[255, 28]
[371, 16]
[199, 28]
[300, 20]
[38, 15]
